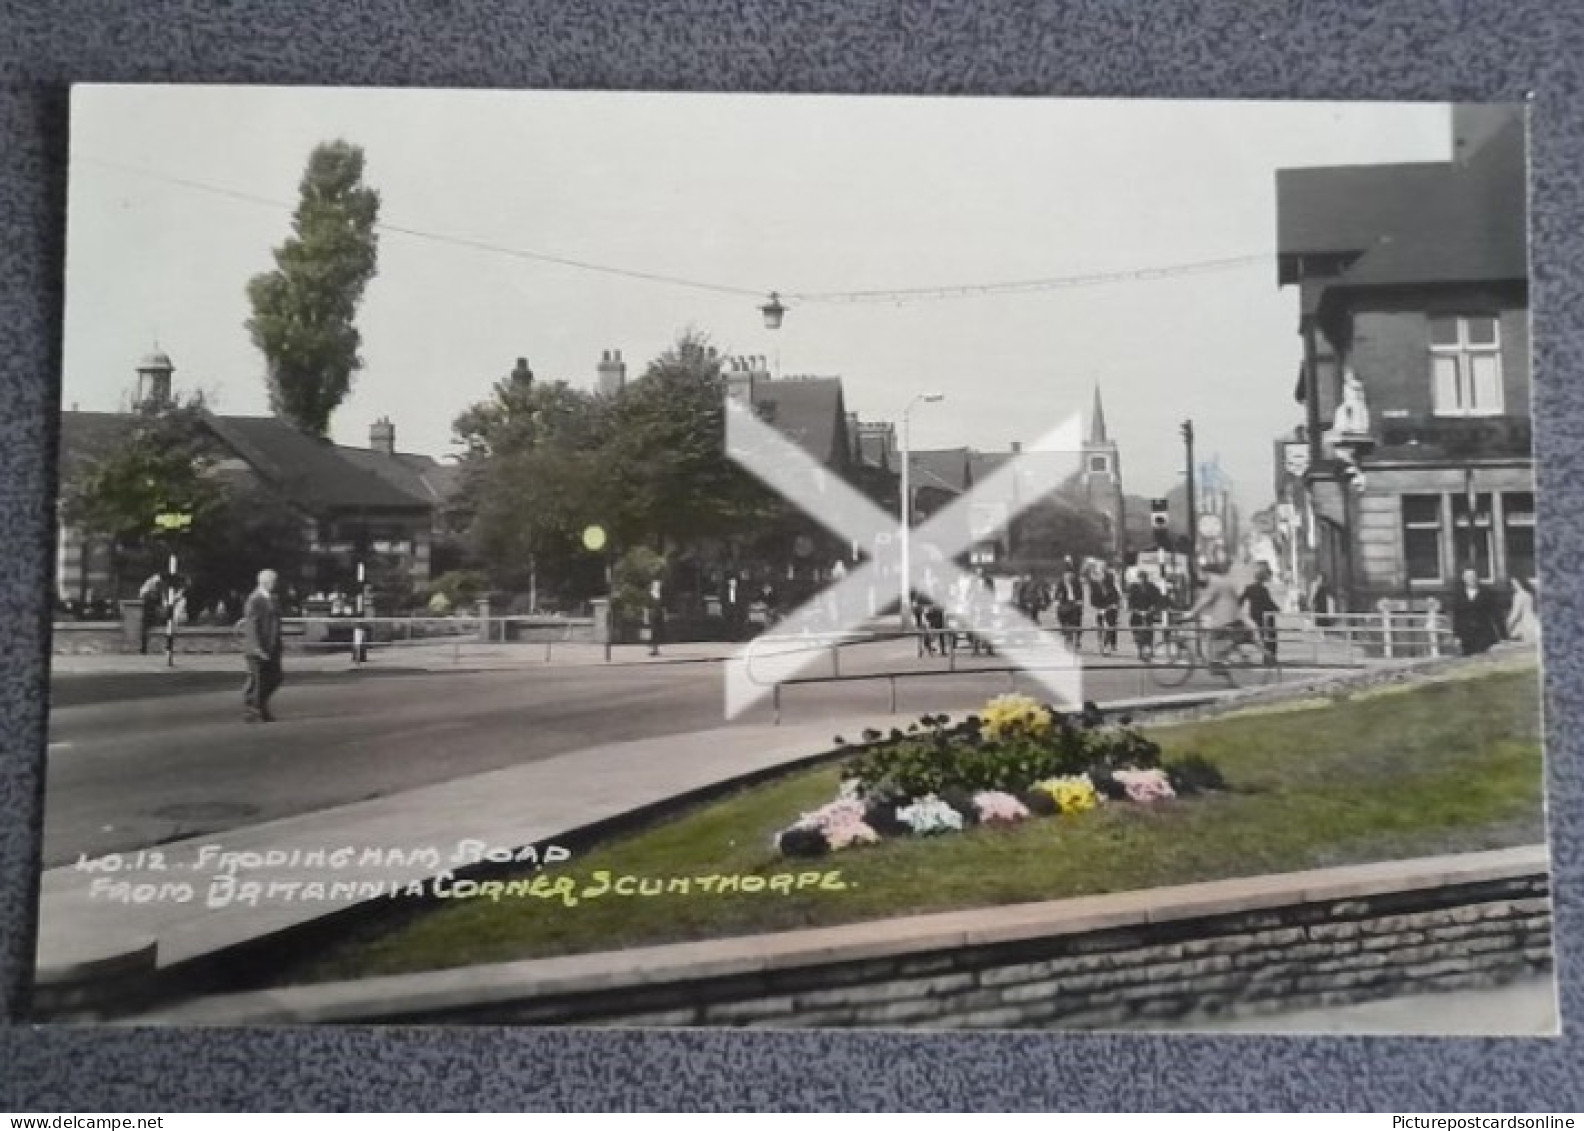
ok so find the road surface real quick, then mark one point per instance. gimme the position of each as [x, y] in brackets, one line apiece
[136, 760]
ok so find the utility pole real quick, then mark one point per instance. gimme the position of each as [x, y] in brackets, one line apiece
[1193, 512]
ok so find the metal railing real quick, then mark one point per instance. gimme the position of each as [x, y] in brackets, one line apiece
[1228, 674]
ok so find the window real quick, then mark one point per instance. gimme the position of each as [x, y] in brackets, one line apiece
[1465, 365]
[1518, 522]
[1471, 531]
[1421, 519]
[1097, 463]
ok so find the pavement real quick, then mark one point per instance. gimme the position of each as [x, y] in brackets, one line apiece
[200, 898]
[1525, 1008]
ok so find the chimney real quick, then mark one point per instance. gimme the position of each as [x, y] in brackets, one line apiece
[740, 380]
[1017, 446]
[382, 436]
[521, 372]
[612, 373]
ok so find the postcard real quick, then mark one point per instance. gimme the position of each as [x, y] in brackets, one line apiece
[684, 560]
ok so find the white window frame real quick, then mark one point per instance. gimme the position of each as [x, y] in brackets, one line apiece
[1462, 353]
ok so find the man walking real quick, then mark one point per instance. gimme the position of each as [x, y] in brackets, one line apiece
[261, 636]
[1262, 609]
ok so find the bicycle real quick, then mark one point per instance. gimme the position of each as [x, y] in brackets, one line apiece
[1181, 649]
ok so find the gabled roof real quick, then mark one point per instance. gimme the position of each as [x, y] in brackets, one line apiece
[1409, 224]
[809, 411]
[86, 436]
[423, 477]
[308, 471]
[942, 469]
[982, 465]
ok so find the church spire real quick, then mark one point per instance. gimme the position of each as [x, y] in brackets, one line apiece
[1097, 427]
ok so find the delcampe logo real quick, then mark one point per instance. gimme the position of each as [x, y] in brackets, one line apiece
[837, 614]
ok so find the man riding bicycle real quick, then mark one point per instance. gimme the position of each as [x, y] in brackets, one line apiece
[1220, 608]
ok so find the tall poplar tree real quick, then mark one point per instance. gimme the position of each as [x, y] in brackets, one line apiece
[304, 310]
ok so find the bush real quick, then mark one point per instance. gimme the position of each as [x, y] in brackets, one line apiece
[1192, 774]
[1014, 748]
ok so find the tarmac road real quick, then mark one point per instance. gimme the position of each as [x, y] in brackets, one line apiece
[136, 760]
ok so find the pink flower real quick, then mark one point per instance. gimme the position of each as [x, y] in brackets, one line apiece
[994, 805]
[844, 811]
[849, 833]
[1145, 785]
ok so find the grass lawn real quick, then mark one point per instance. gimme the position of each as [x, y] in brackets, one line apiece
[1437, 767]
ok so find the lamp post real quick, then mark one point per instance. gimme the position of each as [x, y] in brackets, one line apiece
[1193, 512]
[905, 583]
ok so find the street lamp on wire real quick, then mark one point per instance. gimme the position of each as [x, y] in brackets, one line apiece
[905, 587]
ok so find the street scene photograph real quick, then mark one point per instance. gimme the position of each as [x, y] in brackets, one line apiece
[788, 561]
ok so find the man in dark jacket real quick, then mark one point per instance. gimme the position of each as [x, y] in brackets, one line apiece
[1476, 621]
[261, 638]
[1262, 608]
[1145, 604]
[1106, 597]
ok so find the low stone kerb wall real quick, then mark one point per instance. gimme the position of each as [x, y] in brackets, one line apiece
[1216, 949]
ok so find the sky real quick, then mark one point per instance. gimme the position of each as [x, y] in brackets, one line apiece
[179, 194]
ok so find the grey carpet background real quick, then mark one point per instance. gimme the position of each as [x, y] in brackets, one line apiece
[1417, 49]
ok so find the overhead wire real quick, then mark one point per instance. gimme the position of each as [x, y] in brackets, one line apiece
[898, 295]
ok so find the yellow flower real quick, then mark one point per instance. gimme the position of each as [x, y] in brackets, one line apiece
[1072, 794]
[1008, 715]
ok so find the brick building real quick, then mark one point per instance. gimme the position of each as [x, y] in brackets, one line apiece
[378, 506]
[1414, 458]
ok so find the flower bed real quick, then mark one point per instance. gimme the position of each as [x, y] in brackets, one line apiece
[1016, 760]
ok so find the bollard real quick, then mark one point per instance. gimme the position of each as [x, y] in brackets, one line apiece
[547, 651]
[892, 681]
[836, 660]
[775, 700]
[1386, 627]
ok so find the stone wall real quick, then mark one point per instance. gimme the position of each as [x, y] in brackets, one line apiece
[1299, 956]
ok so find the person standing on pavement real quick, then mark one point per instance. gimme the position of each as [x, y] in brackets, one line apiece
[1262, 609]
[1475, 619]
[1523, 624]
[261, 635]
[1070, 608]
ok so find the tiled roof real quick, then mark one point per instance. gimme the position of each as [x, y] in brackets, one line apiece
[1412, 224]
[808, 411]
[423, 477]
[943, 470]
[311, 472]
[86, 436]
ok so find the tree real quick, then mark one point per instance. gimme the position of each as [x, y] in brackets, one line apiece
[676, 483]
[303, 310]
[159, 465]
[536, 475]
[1057, 527]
